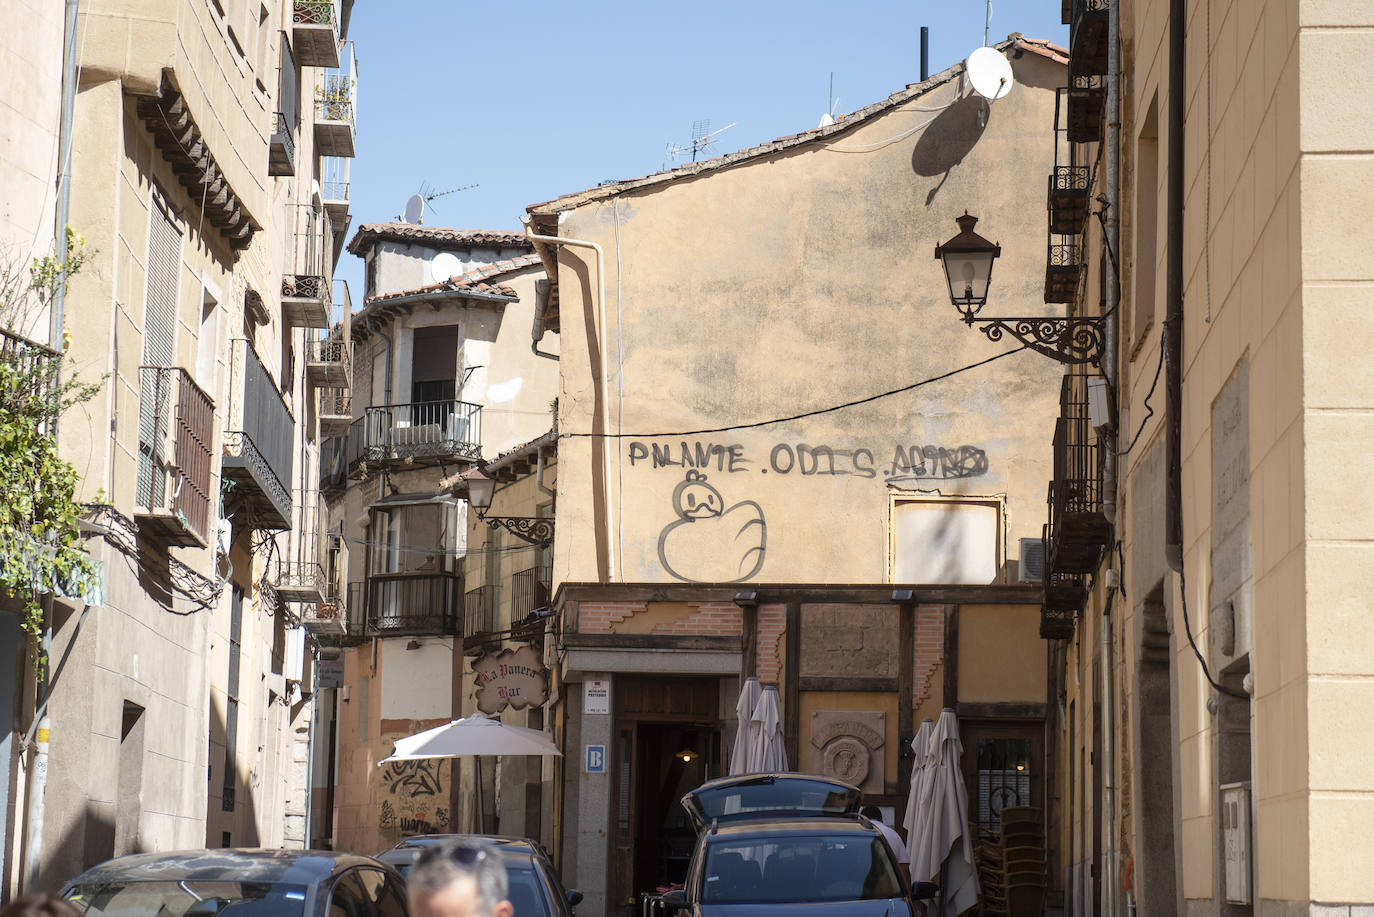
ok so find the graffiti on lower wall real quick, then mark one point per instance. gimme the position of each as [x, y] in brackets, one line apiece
[413, 797]
[904, 463]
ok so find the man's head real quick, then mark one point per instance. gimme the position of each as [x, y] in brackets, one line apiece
[459, 878]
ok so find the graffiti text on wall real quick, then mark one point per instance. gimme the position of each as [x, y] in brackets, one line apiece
[906, 463]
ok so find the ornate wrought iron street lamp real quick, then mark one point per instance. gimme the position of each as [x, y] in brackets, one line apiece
[968, 261]
[537, 530]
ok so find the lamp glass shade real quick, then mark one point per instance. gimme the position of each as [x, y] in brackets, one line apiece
[968, 273]
[480, 488]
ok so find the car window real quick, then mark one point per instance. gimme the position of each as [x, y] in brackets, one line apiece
[554, 890]
[190, 898]
[380, 894]
[526, 892]
[782, 869]
[349, 898]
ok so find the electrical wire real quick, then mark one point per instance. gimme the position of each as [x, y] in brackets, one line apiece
[804, 414]
[1188, 630]
[1149, 408]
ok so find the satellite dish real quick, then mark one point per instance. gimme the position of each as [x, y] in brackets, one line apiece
[444, 266]
[989, 73]
[415, 210]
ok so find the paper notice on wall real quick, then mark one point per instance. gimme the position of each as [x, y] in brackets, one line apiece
[597, 696]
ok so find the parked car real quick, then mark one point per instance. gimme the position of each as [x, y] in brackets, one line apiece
[779, 843]
[536, 889]
[236, 882]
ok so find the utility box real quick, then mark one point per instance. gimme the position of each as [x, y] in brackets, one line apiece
[1235, 830]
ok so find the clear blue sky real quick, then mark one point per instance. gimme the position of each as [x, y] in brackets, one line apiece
[533, 100]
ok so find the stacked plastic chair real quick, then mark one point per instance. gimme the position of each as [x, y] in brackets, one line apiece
[1023, 861]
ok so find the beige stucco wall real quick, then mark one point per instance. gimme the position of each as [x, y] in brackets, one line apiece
[31, 59]
[794, 282]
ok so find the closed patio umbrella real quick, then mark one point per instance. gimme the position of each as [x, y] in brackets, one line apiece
[919, 770]
[945, 848]
[769, 756]
[744, 730]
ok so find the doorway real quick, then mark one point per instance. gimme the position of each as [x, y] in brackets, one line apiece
[673, 760]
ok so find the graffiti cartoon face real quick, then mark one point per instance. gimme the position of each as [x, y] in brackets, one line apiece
[695, 499]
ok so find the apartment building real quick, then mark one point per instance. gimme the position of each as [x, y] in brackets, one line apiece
[180, 696]
[446, 380]
[1208, 569]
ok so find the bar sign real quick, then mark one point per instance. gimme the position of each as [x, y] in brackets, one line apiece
[596, 759]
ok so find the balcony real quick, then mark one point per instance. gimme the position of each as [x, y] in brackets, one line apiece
[412, 604]
[1087, 99]
[258, 444]
[334, 188]
[305, 288]
[1063, 268]
[35, 368]
[300, 582]
[1088, 36]
[325, 619]
[336, 108]
[175, 431]
[329, 362]
[315, 32]
[427, 432]
[336, 413]
[1071, 180]
[1065, 596]
[1078, 527]
[480, 612]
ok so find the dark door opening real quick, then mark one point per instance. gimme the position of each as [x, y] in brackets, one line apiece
[672, 759]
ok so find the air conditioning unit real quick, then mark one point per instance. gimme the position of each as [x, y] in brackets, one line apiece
[1031, 569]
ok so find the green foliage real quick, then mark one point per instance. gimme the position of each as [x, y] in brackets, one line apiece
[40, 541]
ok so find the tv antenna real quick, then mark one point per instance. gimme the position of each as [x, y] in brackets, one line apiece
[429, 194]
[828, 118]
[703, 139]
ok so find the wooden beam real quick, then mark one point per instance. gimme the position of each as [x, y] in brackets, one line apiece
[849, 683]
[791, 712]
[749, 641]
[951, 660]
[1001, 711]
[652, 642]
[906, 691]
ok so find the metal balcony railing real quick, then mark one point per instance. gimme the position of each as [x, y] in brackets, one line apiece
[480, 612]
[1063, 268]
[529, 589]
[1078, 527]
[33, 369]
[175, 431]
[315, 32]
[1070, 183]
[1088, 35]
[305, 288]
[258, 444]
[355, 613]
[424, 432]
[413, 603]
[336, 107]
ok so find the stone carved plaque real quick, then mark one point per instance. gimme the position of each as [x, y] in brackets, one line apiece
[848, 745]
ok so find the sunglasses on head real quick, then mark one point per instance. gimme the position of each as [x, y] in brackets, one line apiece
[465, 855]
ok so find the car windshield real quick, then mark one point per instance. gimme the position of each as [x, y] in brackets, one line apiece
[795, 869]
[766, 794]
[189, 898]
[525, 893]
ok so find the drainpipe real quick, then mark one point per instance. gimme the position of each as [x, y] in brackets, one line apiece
[1108, 764]
[38, 781]
[541, 305]
[605, 392]
[1173, 295]
[1111, 344]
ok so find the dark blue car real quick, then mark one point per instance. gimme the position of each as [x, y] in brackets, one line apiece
[787, 844]
[234, 882]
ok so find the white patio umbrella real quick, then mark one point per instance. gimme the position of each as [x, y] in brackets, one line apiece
[769, 756]
[744, 730]
[944, 845]
[472, 735]
[919, 769]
